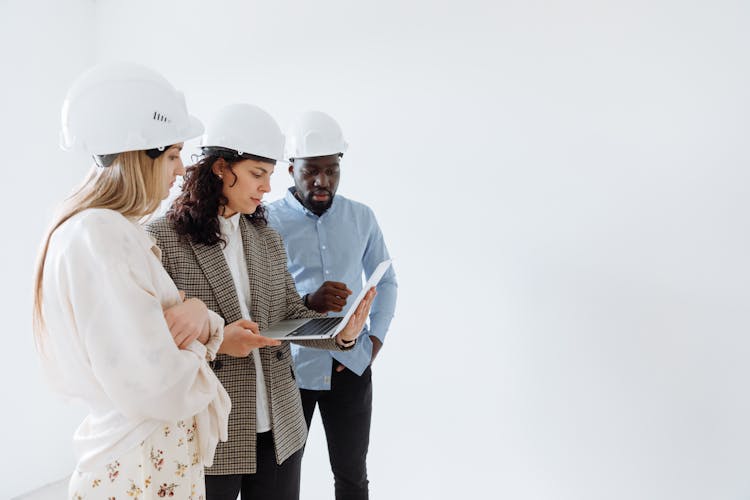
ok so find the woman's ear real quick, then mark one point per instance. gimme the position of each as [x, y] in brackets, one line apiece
[218, 168]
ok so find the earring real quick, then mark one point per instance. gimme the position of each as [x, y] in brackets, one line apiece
[221, 176]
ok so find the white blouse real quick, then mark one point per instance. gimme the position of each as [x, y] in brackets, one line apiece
[234, 254]
[107, 342]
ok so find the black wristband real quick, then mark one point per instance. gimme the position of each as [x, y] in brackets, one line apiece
[345, 345]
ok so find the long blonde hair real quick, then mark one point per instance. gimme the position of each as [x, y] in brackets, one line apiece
[132, 185]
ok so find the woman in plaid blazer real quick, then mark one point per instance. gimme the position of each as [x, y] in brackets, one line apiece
[217, 247]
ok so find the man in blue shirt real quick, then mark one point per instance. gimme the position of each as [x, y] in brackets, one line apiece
[331, 243]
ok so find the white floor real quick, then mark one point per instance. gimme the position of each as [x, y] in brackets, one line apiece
[52, 491]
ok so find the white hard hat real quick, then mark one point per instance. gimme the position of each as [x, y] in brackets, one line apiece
[314, 133]
[117, 107]
[245, 128]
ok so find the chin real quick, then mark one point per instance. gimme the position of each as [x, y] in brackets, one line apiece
[320, 205]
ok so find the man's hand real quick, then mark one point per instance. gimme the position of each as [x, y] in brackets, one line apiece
[241, 337]
[187, 321]
[331, 296]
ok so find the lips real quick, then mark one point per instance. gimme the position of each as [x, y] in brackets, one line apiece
[321, 195]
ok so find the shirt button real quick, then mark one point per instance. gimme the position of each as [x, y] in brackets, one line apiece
[328, 272]
[323, 247]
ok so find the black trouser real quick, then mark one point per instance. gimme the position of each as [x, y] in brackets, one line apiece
[270, 481]
[346, 411]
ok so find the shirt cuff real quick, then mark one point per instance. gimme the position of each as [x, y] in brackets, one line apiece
[377, 333]
[197, 348]
[346, 347]
[216, 335]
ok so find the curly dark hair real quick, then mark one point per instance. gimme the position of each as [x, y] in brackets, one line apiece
[195, 211]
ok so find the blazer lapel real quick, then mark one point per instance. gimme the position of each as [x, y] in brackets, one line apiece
[215, 270]
[255, 256]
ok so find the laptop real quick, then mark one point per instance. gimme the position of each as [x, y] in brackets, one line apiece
[322, 328]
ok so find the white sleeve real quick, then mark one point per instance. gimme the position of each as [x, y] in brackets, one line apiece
[120, 320]
[216, 325]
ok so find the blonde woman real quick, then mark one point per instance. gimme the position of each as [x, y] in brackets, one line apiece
[113, 330]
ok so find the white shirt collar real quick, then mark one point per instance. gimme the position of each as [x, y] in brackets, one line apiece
[229, 225]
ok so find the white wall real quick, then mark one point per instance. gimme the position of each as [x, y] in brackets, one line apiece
[44, 45]
[575, 171]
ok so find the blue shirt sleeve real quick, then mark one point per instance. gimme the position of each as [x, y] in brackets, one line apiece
[384, 305]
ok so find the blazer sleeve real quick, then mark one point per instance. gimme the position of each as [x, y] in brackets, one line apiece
[119, 319]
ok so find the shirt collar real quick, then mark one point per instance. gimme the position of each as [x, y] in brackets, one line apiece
[294, 202]
[229, 225]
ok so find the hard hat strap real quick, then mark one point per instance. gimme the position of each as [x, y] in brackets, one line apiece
[155, 152]
[234, 156]
[104, 161]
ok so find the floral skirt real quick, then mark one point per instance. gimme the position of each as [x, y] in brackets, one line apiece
[167, 464]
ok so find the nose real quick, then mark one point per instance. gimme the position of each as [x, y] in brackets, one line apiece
[321, 180]
[266, 186]
[179, 168]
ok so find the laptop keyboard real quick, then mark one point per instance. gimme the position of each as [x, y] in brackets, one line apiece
[316, 326]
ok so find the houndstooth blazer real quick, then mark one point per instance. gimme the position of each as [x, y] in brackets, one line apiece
[201, 271]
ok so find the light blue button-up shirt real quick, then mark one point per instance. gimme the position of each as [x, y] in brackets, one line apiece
[344, 244]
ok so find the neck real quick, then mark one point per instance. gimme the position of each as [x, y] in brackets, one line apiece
[226, 212]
